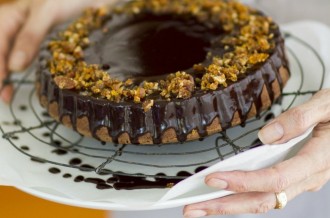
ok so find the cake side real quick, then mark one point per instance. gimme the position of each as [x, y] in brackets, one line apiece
[168, 122]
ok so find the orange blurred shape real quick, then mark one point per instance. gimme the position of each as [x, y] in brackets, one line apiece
[16, 204]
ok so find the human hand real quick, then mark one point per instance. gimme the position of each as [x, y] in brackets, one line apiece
[24, 25]
[309, 170]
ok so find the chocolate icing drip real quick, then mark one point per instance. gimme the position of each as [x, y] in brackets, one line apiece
[257, 85]
[158, 115]
[118, 125]
[267, 78]
[183, 116]
[181, 127]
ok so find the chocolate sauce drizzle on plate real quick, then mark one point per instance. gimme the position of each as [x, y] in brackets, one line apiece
[126, 182]
[110, 177]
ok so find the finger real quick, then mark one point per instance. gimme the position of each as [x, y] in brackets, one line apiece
[5, 89]
[296, 121]
[317, 182]
[6, 93]
[253, 202]
[307, 162]
[43, 15]
[241, 203]
[313, 183]
[9, 27]
[274, 179]
[41, 18]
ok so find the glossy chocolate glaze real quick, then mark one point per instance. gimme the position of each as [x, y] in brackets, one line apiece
[149, 47]
[127, 49]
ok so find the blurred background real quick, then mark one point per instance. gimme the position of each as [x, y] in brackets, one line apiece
[284, 11]
[14, 203]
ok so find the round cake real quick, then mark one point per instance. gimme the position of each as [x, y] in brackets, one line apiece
[162, 71]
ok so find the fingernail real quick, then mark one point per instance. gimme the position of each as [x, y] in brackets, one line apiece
[271, 133]
[5, 94]
[217, 183]
[17, 61]
[195, 213]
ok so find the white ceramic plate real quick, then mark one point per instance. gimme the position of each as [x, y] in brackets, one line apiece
[308, 48]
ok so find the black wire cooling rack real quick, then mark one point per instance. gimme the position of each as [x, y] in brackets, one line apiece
[29, 129]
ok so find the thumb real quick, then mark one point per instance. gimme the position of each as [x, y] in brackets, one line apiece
[30, 37]
[296, 121]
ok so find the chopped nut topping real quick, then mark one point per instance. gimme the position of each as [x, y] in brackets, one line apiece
[65, 82]
[180, 85]
[258, 58]
[147, 104]
[170, 185]
[248, 41]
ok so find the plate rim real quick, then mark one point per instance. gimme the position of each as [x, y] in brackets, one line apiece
[103, 205]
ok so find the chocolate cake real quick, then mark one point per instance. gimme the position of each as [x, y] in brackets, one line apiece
[162, 71]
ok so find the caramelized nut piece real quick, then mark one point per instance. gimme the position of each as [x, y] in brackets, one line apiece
[64, 82]
[147, 105]
[179, 85]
